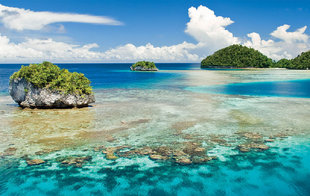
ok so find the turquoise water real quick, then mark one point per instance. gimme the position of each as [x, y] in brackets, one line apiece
[291, 88]
[177, 109]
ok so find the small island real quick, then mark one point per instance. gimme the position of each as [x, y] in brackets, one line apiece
[45, 85]
[238, 56]
[144, 66]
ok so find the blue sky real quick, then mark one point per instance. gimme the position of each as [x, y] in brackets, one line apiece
[161, 23]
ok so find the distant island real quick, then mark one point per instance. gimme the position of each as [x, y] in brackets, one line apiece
[144, 66]
[302, 61]
[45, 85]
[238, 56]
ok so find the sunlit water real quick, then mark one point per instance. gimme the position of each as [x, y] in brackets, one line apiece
[176, 108]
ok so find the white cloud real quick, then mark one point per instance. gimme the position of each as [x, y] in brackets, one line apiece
[22, 19]
[290, 37]
[288, 45]
[174, 53]
[36, 50]
[209, 29]
[211, 33]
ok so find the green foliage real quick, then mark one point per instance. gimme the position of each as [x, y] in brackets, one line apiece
[283, 63]
[237, 56]
[145, 64]
[302, 61]
[48, 75]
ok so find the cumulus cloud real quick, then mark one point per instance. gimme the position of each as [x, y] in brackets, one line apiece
[22, 19]
[285, 45]
[174, 53]
[38, 50]
[210, 29]
[290, 37]
[210, 32]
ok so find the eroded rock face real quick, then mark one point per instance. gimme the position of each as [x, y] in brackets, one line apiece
[27, 95]
[141, 68]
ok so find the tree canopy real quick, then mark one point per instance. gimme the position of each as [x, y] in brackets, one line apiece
[145, 64]
[283, 63]
[237, 56]
[48, 75]
[302, 61]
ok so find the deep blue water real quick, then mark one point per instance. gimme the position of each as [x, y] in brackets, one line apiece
[119, 76]
[293, 88]
[110, 75]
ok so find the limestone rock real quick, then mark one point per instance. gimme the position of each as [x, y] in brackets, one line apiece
[253, 136]
[183, 161]
[27, 95]
[248, 147]
[141, 68]
[76, 161]
[269, 140]
[158, 157]
[35, 162]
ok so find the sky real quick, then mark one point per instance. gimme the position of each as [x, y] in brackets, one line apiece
[107, 31]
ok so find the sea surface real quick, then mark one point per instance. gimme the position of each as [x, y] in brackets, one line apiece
[179, 131]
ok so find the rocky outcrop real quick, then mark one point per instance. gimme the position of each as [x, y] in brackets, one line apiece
[35, 162]
[75, 161]
[27, 95]
[141, 68]
[9, 152]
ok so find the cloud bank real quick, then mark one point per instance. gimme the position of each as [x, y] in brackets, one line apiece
[50, 50]
[284, 45]
[21, 19]
[208, 29]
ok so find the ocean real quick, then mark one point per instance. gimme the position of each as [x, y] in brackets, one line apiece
[245, 132]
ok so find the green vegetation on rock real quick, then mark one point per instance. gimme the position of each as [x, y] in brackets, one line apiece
[48, 75]
[302, 61]
[283, 63]
[237, 56]
[144, 64]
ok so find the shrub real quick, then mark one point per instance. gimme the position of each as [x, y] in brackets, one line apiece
[48, 75]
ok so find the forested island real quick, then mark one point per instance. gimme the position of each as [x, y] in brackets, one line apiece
[144, 66]
[238, 56]
[45, 85]
[302, 61]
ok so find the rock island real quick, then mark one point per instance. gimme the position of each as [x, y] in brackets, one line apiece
[144, 66]
[45, 85]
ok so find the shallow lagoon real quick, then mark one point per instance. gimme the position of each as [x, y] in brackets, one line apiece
[139, 110]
